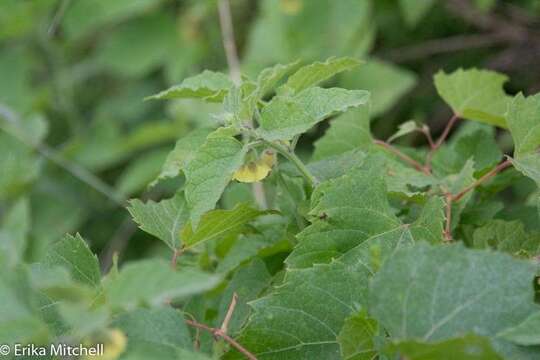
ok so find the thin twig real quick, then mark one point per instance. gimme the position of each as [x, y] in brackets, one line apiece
[174, 259]
[231, 53]
[227, 338]
[503, 165]
[228, 315]
[448, 225]
[402, 156]
[425, 130]
[449, 125]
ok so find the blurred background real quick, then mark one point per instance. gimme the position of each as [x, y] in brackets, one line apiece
[77, 139]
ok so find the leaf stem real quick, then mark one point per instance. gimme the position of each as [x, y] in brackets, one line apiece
[403, 156]
[503, 165]
[291, 156]
[221, 334]
[449, 125]
[448, 224]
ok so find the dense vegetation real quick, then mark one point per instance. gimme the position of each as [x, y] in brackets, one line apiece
[261, 180]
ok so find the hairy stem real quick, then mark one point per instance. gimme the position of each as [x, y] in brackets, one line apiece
[221, 334]
[402, 156]
[291, 156]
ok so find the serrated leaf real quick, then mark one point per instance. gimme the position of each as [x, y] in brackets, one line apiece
[468, 347]
[526, 333]
[436, 293]
[219, 223]
[159, 281]
[284, 117]
[210, 170]
[182, 154]
[475, 94]
[356, 338]
[208, 85]
[14, 230]
[347, 132]
[162, 219]
[313, 74]
[73, 253]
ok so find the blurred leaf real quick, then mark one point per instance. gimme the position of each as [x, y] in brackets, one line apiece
[413, 10]
[14, 231]
[162, 219]
[404, 129]
[475, 94]
[141, 172]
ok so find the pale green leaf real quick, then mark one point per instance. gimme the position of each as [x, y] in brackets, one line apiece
[475, 94]
[269, 78]
[525, 333]
[468, 347]
[218, 224]
[313, 74]
[523, 121]
[210, 170]
[404, 129]
[335, 166]
[436, 293]
[162, 219]
[356, 338]
[208, 85]
[321, 103]
[14, 231]
[507, 236]
[73, 253]
[182, 154]
[153, 282]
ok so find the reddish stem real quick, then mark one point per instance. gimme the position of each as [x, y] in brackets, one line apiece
[503, 165]
[440, 140]
[403, 156]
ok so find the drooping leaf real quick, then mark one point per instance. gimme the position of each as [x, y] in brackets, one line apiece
[436, 293]
[73, 253]
[210, 170]
[162, 219]
[526, 333]
[153, 282]
[474, 94]
[210, 86]
[313, 74]
[182, 154]
[218, 224]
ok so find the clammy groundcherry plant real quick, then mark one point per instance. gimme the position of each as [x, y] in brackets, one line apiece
[363, 249]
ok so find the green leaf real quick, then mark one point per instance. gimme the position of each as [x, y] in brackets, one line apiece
[436, 293]
[404, 129]
[81, 320]
[208, 85]
[162, 219]
[356, 338]
[468, 347]
[284, 117]
[507, 236]
[14, 231]
[153, 282]
[347, 132]
[210, 170]
[526, 333]
[335, 166]
[313, 74]
[270, 77]
[73, 253]
[413, 11]
[182, 154]
[475, 94]
[523, 121]
[218, 224]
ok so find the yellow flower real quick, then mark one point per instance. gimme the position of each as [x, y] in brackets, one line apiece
[256, 170]
[113, 347]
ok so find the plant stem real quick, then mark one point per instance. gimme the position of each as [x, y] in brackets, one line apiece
[448, 225]
[503, 165]
[228, 316]
[402, 156]
[449, 125]
[291, 156]
[227, 338]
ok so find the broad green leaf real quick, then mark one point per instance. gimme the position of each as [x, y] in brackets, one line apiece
[526, 333]
[182, 154]
[313, 74]
[162, 219]
[285, 117]
[436, 293]
[347, 132]
[58, 284]
[356, 338]
[163, 326]
[468, 347]
[247, 282]
[73, 253]
[413, 11]
[14, 231]
[269, 78]
[210, 170]
[475, 94]
[218, 224]
[208, 85]
[523, 121]
[335, 166]
[153, 282]
[507, 236]
[386, 83]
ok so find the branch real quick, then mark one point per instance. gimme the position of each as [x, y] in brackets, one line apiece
[503, 165]
[228, 316]
[403, 156]
[449, 125]
[221, 334]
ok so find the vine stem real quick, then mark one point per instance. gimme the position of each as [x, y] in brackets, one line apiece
[224, 336]
[233, 62]
[403, 156]
[291, 156]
